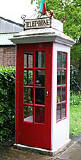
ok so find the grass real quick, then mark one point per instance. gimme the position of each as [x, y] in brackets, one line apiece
[75, 114]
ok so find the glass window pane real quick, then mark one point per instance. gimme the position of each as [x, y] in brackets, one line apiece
[28, 114]
[59, 94]
[28, 95]
[63, 109]
[39, 59]
[63, 77]
[58, 60]
[58, 77]
[28, 60]
[39, 96]
[39, 114]
[63, 60]
[28, 77]
[40, 78]
[58, 112]
[63, 94]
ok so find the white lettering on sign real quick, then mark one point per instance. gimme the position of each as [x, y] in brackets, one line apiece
[37, 23]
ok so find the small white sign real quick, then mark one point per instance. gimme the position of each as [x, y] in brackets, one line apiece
[37, 23]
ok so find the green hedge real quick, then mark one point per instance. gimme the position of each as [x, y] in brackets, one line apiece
[75, 79]
[76, 56]
[7, 103]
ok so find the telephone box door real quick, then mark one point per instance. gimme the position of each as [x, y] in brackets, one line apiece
[33, 95]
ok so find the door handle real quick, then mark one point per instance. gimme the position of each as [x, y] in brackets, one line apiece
[46, 93]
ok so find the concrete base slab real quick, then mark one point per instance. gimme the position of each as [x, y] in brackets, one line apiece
[34, 149]
[43, 151]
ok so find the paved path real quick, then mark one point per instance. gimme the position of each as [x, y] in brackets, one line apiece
[73, 152]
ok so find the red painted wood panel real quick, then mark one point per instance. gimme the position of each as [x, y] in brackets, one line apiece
[33, 134]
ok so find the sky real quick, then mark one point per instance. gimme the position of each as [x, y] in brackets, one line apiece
[14, 9]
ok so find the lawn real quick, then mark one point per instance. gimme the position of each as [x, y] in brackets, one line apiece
[75, 114]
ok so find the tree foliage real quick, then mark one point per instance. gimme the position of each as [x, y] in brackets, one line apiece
[76, 56]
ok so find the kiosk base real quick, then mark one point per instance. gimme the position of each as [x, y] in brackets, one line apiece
[44, 151]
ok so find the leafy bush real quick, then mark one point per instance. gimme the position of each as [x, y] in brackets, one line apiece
[76, 67]
[75, 114]
[75, 79]
[76, 56]
[7, 103]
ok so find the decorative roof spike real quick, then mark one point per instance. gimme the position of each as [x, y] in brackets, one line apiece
[44, 9]
[43, 1]
[41, 7]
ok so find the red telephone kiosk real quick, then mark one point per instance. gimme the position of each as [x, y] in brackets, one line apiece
[42, 84]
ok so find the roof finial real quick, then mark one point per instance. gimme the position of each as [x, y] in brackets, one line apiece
[42, 7]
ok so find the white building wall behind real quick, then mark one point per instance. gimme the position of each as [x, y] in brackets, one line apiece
[59, 130]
